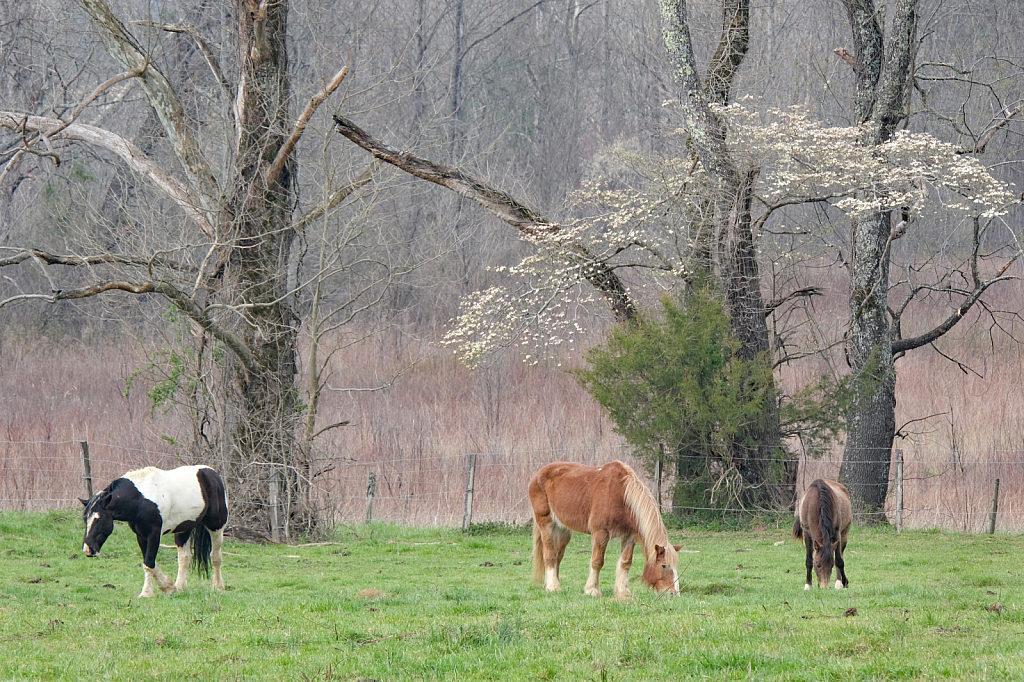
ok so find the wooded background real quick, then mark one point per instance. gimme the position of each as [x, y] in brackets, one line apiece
[199, 260]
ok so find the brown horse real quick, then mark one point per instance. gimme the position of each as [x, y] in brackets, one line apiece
[607, 502]
[823, 518]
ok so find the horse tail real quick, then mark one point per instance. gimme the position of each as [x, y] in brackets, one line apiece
[202, 548]
[826, 502]
[798, 531]
[538, 555]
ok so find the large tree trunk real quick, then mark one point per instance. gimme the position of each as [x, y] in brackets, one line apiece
[872, 421]
[768, 479]
[261, 428]
[880, 103]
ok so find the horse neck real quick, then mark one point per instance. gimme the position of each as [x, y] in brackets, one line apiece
[645, 514]
[826, 508]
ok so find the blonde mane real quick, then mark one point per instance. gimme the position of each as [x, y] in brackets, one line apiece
[140, 474]
[645, 512]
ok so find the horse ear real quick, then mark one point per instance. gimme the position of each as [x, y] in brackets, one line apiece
[85, 503]
[677, 547]
[659, 552]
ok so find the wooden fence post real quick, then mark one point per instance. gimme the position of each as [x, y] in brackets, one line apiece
[371, 490]
[468, 514]
[275, 506]
[87, 469]
[899, 490]
[995, 508]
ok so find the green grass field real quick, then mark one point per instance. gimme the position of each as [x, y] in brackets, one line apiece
[390, 603]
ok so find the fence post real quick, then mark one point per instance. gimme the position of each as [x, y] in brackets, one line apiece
[995, 508]
[86, 469]
[657, 480]
[275, 521]
[899, 490]
[371, 490]
[469, 493]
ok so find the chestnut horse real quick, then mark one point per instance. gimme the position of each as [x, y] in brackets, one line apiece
[607, 502]
[823, 518]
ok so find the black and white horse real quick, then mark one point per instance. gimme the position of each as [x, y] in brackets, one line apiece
[188, 501]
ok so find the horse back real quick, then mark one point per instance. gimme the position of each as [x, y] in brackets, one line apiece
[836, 500]
[583, 498]
[181, 494]
[842, 509]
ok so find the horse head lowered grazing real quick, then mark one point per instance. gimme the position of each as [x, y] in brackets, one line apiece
[823, 518]
[188, 501]
[607, 502]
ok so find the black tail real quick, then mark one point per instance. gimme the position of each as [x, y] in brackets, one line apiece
[825, 506]
[202, 547]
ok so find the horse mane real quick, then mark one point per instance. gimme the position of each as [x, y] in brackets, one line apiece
[826, 505]
[139, 474]
[645, 512]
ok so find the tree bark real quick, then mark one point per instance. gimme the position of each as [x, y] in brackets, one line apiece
[262, 422]
[880, 103]
[769, 478]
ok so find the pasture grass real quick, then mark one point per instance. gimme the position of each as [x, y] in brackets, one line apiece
[390, 603]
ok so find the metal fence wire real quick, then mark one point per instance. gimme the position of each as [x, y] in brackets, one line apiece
[946, 490]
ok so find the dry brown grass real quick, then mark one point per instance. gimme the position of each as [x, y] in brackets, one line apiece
[962, 429]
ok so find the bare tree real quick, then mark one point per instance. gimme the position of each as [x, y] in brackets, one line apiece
[223, 256]
[884, 58]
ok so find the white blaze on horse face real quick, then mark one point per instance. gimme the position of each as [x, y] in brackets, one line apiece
[92, 520]
[675, 580]
[88, 527]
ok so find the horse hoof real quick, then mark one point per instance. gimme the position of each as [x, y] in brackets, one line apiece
[593, 593]
[839, 585]
[807, 586]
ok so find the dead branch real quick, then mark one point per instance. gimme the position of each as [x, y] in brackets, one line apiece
[131, 155]
[846, 56]
[274, 171]
[502, 205]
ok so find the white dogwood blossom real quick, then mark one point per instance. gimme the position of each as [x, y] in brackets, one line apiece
[805, 161]
[652, 216]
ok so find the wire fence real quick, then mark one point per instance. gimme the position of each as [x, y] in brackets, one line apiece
[940, 489]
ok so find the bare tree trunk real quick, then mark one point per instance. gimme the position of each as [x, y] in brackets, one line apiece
[262, 430]
[872, 422]
[767, 478]
[880, 102]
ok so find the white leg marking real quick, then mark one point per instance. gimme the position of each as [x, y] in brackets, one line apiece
[551, 583]
[622, 581]
[839, 584]
[184, 556]
[807, 586]
[215, 558]
[147, 584]
[592, 587]
[161, 580]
